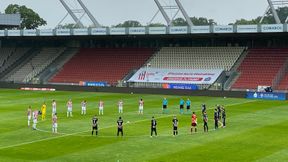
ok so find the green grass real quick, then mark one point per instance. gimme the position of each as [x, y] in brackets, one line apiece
[256, 130]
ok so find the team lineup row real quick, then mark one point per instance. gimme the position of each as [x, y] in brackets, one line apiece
[219, 114]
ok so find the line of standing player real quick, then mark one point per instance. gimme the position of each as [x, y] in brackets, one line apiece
[217, 115]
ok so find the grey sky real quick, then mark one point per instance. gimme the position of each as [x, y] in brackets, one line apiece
[111, 12]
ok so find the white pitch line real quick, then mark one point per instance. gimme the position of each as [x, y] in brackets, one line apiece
[71, 134]
[66, 134]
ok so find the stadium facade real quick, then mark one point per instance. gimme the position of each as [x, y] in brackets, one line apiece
[56, 56]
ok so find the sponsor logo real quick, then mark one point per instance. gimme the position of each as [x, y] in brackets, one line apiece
[142, 75]
[137, 31]
[266, 95]
[255, 95]
[272, 28]
[182, 79]
[207, 79]
[223, 29]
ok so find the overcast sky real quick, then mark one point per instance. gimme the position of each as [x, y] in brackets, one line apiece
[112, 12]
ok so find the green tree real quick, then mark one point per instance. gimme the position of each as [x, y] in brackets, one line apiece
[30, 19]
[268, 19]
[156, 25]
[202, 21]
[246, 22]
[69, 26]
[129, 23]
[196, 21]
[179, 22]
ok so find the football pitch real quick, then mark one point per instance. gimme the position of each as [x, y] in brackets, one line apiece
[256, 130]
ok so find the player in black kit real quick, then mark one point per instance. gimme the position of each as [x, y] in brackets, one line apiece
[120, 126]
[203, 108]
[223, 117]
[216, 118]
[95, 125]
[205, 121]
[219, 112]
[175, 126]
[153, 126]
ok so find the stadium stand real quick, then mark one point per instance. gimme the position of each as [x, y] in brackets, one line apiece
[102, 64]
[197, 57]
[57, 65]
[37, 64]
[260, 68]
[283, 85]
[9, 56]
[5, 53]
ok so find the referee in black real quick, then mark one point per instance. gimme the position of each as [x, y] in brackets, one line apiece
[120, 126]
[95, 125]
[153, 126]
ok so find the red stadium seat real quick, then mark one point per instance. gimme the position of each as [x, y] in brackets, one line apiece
[260, 67]
[102, 64]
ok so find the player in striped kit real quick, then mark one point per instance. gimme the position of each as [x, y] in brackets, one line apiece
[69, 108]
[83, 106]
[101, 107]
[141, 106]
[35, 114]
[120, 107]
[54, 123]
[29, 115]
[53, 107]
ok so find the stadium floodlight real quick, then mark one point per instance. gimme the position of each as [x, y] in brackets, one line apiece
[178, 7]
[74, 13]
[272, 4]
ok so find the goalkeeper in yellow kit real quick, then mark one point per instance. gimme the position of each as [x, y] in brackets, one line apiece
[43, 111]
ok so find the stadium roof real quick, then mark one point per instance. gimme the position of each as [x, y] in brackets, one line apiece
[10, 20]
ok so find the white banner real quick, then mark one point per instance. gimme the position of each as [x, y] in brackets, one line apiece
[262, 88]
[157, 30]
[200, 29]
[63, 32]
[223, 29]
[14, 33]
[186, 76]
[29, 32]
[46, 32]
[247, 28]
[98, 31]
[137, 30]
[2, 33]
[178, 30]
[117, 31]
[272, 28]
[80, 31]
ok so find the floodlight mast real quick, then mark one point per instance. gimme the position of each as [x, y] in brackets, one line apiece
[184, 13]
[84, 10]
[271, 6]
[95, 22]
[161, 9]
[71, 13]
[178, 7]
[276, 17]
